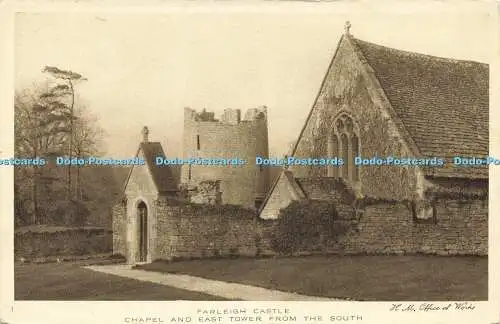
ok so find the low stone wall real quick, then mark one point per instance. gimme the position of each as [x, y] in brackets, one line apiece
[460, 228]
[201, 231]
[35, 243]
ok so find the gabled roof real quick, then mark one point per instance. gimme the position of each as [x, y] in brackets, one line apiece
[443, 103]
[162, 175]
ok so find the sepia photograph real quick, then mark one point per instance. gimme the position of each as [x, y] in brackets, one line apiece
[253, 156]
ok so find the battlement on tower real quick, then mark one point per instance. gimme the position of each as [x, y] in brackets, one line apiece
[229, 117]
[228, 137]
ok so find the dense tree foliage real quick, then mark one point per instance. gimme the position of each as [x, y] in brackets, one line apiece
[49, 122]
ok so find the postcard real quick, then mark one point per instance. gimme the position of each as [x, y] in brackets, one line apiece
[249, 162]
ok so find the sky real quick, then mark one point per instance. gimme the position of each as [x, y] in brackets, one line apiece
[144, 68]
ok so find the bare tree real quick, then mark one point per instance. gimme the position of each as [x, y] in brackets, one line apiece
[87, 139]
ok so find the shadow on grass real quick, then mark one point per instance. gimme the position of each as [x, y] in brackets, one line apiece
[357, 277]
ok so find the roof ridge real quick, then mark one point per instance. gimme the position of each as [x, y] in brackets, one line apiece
[412, 53]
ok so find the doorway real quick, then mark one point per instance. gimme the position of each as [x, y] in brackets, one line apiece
[142, 212]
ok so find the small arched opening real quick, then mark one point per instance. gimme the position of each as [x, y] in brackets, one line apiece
[142, 215]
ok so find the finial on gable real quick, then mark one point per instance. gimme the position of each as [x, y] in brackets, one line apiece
[347, 26]
[145, 133]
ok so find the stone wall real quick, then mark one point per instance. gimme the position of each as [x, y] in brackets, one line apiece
[62, 242]
[120, 229]
[373, 226]
[205, 192]
[459, 227]
[197, 231]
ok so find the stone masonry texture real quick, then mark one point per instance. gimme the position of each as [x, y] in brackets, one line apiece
[461, 228]
[245, 139]
[197, 231]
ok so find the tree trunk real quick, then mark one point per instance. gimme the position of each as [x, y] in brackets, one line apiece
[34, 216]
[70, 191]
[78, 195]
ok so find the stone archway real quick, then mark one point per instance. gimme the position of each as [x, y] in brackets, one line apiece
[142, 220]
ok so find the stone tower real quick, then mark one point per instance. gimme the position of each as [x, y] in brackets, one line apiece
[228, 137]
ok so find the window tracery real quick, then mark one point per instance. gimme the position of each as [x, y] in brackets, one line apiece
[344, 143]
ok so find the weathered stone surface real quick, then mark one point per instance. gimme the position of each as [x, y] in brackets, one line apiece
[460, 229]
[347, 91]
[191, 231]
[229, 138]
[206, 192]
[120, 229]
[197, 231]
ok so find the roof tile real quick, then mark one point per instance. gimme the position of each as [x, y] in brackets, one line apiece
[443, 103]
[163, 176]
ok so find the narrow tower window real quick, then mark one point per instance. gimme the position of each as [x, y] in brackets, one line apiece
[198, 142]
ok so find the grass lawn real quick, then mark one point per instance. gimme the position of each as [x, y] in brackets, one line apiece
[380, 278]
[69, 281]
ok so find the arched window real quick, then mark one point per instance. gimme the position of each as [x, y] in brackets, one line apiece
[344, 143]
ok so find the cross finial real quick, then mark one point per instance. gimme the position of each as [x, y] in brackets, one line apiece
[145, 133]
[347, 26]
